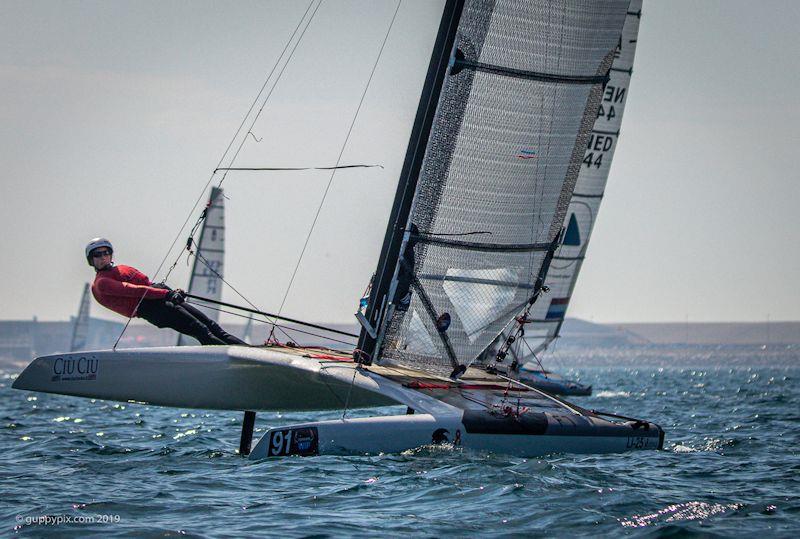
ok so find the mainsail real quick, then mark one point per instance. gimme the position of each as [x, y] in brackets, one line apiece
[209, 260]
[80, 329]
[548, 313]
[504, 120]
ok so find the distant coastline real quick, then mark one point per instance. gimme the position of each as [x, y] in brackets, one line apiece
[22, 340]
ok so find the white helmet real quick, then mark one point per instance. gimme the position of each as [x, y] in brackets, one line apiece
[95, 244]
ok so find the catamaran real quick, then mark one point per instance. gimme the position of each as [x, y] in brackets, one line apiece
[504, 119]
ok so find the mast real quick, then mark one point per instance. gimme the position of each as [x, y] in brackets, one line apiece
[80, 329]
[393, 239]
[468, 251]
[209, 260]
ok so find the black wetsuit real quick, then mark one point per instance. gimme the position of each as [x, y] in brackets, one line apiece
[186, 319]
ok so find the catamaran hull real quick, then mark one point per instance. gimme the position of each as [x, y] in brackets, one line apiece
[484, 412]
[557, 387]
[204, 377]
[393, 434]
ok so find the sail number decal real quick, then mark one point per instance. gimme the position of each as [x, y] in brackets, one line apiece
[639, 442]
[300, 441]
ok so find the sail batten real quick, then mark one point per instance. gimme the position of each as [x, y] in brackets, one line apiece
[513, 120]
[532, 75]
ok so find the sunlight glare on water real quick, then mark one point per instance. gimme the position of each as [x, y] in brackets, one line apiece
[730, 464]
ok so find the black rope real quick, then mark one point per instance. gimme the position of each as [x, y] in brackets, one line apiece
[337, 167]
[270, 315]
[451, 233]
[199, 256]
[281, 327]
[534, 356]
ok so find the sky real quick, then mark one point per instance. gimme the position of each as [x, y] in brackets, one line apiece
[113, 116]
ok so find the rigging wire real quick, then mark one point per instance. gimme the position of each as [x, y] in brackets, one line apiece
[225, 153]
[535, 356]
[274, 85]
[281, 327]
[239, 129]
[205, 262]
[249, 130]
[350, 391]
[255, 116]
[338, 159]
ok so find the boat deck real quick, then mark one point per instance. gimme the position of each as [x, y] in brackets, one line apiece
[475, 386]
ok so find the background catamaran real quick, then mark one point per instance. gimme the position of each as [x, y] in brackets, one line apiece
[548, 314]
[470, 239]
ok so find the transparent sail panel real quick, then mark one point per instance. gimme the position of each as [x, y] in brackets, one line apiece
[550, 311]
[512, 124]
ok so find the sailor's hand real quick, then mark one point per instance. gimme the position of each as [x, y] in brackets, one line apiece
[161, 286]
[176, 296]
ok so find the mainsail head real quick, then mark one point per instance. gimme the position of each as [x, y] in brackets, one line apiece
[503, 153]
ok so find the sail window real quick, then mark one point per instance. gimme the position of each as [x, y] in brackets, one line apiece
[477, 302]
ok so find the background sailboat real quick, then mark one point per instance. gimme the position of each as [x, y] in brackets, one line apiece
[80, 327]
[208, 268]
[548, 315]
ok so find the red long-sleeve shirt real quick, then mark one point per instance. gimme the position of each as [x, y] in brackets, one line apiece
[120, 288]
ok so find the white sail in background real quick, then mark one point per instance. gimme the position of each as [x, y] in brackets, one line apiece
[512, 121]
[209, 261]
[549, 311]
[247, 335]
[80, 329]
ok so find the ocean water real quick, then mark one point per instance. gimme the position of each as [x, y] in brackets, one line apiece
[731, 465]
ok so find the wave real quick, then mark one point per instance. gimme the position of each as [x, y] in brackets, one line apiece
[608, 394]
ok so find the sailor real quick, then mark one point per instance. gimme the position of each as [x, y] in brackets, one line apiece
[129, 292]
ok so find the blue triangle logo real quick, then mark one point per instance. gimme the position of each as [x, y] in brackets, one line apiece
[573, 235]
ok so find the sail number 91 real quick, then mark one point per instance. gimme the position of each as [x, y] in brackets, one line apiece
[299, 441]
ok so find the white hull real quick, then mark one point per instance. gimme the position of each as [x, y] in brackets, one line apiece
[204, 377]
[481, 411]
[395, 434]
